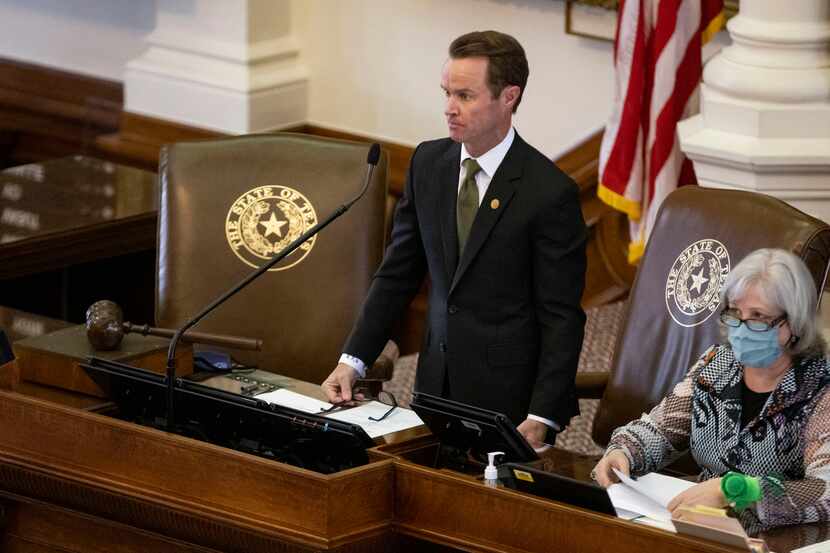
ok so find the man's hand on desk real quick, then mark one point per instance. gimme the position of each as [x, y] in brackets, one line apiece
[534, 432]
[338, 386]
[602, 473]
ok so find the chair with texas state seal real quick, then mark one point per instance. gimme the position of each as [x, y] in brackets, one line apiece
[674, 303]
[228, 205]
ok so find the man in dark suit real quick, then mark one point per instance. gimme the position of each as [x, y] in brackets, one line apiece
[499, 229]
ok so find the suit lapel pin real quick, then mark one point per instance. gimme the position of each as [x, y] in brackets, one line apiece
[494, 204]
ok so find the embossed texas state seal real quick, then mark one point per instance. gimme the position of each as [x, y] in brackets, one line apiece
[264, 220]
[694, 282]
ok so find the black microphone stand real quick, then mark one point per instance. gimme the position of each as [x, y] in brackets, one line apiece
[372, 160]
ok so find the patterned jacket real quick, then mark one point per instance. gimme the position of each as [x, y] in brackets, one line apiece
[787, 444]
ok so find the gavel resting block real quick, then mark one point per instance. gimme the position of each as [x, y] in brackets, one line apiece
[53, 359]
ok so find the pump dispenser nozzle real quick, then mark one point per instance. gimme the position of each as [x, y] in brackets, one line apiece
[491, 473]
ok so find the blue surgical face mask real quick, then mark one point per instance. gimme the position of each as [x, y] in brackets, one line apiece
[755, 349]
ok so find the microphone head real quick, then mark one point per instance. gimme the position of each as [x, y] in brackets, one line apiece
[104, 325]
[374, 154]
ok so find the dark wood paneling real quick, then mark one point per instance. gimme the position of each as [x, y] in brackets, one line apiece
[609, 274]
[79, 482]
[36, 526]
[139, 139]
[399, 154]
[210, 496]
[128, 280]
[47, 113]
[80, 230]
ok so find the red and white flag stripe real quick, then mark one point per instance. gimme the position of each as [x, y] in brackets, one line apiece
[657, 58]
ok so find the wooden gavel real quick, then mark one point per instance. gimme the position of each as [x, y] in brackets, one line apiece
[105, 328]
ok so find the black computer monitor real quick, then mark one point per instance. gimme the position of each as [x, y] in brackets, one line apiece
[469, 431]
[231, 420]
[553, 486]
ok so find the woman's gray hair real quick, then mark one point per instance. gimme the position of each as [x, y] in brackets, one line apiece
[785, 282]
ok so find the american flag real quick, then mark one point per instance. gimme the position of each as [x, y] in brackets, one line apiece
[657, 59]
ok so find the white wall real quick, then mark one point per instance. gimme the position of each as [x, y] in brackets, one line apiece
[93, 37]
[375, 66]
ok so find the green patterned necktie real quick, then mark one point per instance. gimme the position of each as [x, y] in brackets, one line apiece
[467, 203]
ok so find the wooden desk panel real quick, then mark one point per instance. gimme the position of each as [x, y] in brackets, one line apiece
[36, 527]
[448, 508]
[72, 210]
[182, 488]
[20, 324]
[459, 511]
[74, 481]
[76, 230]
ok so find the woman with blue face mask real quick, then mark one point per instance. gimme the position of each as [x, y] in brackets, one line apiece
[753, 411]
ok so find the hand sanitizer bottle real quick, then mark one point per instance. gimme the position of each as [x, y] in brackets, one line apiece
[491, 473]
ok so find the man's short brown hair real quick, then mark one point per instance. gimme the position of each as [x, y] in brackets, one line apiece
[507, 63]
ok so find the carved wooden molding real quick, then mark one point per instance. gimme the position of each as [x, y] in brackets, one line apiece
[5, 506]
[81, 482]
[536, 525]
[191, 490]
[47, 113]
[54, 527]
[9, 375]
[139, 139]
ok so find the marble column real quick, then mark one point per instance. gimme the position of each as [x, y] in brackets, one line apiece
[227, 65]
[764, 124]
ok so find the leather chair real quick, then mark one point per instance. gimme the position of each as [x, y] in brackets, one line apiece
[674, 305]
[228, 205]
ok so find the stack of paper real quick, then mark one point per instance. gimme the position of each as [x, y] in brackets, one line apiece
[712, 524]
[398, 419]
[821, 547]
[293, 400]
[648, 497]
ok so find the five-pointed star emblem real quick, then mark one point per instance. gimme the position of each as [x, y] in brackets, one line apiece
[699, 280]
[273, 226]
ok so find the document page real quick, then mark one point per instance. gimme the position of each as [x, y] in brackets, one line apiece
[398, 419]
[287, 398]
[648, 495]
[822, 547]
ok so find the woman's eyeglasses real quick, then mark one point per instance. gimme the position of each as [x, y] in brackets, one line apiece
[731, 317]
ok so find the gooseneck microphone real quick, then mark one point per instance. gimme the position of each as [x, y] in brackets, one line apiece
[371, 160]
